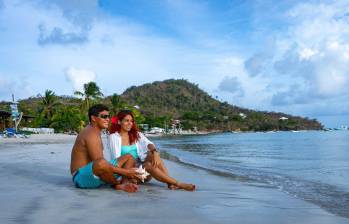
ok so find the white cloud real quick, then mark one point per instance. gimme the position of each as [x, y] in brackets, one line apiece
[6, 86]
[255, 65]
[310, 59]
[301, 65]
[307, 53]
[231, 85]
[236, 86]
[79, 77]
[17, 85]
[121, 52]
[58, 36]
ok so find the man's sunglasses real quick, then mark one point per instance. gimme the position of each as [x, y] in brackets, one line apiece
[104, 116]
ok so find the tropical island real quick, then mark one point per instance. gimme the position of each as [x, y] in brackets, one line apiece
[173, 103]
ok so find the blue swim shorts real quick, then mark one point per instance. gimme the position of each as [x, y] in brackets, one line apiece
[85, 178]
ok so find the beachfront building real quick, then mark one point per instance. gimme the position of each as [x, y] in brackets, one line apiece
[242, 115]
[283, 118]
[7, 122]
[156, 130]
[144, 127]
[176, 127]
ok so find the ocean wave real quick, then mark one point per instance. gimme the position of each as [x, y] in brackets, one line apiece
[329, 197]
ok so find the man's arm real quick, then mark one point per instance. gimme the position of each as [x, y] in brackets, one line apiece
[94, 146]
[130, 172]
[95, 151]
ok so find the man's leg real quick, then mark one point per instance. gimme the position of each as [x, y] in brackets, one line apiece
[103, 169]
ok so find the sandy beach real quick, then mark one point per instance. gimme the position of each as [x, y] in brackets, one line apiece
[37, 188]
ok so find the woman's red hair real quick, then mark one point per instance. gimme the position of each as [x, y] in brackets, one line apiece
[133, 134]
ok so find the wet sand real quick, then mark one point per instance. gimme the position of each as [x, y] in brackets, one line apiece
[37, 188]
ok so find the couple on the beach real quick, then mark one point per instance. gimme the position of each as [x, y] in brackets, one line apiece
[129, 148]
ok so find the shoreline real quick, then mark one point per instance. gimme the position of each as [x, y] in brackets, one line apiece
[39, 139]
[60, 137]
[222, 132]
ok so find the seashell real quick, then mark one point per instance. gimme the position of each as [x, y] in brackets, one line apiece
[142, 173]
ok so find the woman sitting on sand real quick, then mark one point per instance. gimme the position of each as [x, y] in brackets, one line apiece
[125, 138]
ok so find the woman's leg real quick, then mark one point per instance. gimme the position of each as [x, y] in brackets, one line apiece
[160, 173]
[127, 161]
[164, 169]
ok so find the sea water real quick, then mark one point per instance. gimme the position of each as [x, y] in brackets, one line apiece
[310, 165]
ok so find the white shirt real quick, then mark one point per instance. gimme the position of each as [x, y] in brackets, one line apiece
[114, 145]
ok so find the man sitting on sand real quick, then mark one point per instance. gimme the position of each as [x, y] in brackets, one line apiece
[88, 166]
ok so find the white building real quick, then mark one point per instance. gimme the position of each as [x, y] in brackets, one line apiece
[242, 115]
[156, 130]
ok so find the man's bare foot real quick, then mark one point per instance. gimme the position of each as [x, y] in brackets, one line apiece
[128, 187]
[187, 187]
[134, 181]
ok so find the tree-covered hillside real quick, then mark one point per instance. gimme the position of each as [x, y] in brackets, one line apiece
[180, 99]
[157, 104]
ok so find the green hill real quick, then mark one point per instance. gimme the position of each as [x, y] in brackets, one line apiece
[160, 103]
[180, 99]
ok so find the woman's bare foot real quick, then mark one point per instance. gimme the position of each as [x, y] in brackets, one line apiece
[172, 187]
[187, 187]
[128, 187]
[184, 186]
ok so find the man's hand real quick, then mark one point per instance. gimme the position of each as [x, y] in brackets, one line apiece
[131, 173]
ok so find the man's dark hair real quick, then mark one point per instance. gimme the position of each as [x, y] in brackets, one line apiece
[96, 109]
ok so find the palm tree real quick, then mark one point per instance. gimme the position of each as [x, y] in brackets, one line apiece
[49, 102]
[68, 119]
[116, 103]
[91, 93]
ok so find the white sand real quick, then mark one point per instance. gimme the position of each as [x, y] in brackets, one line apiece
[40, 138]
[36, 187]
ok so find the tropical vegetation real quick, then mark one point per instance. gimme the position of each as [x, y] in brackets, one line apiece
[158, 104]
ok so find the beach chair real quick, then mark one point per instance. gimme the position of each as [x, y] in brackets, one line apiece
[10, 132]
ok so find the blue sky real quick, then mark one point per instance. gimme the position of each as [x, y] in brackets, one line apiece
[288, 56]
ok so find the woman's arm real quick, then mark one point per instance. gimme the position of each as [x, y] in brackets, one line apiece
[152, 148]
[113, 144]
[155, 154]
[148, 149]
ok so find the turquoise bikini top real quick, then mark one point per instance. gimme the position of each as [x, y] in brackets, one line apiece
[129, 149]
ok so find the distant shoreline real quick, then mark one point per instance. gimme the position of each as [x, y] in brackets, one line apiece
[66, 138]
[221, 132]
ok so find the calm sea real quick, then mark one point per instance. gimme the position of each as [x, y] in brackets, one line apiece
[311, 165]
